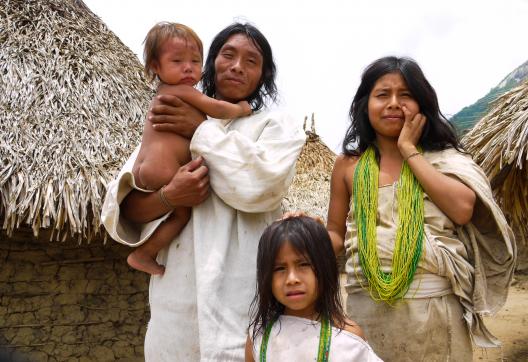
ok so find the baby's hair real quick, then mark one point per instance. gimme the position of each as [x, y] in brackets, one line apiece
[310, 239]
[159, 34]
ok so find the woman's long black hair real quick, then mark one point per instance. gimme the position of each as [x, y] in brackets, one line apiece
[309, 238]
[267, 89]
[438, 133]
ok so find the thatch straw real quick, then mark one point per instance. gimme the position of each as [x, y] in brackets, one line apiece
[72, 105]
[499, 144]
[310, 189]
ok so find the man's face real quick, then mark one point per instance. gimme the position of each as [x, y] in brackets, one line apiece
[238, 68]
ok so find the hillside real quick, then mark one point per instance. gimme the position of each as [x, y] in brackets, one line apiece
[468, 116]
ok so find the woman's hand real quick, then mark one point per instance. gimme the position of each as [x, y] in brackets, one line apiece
[169, 113]
[411, 132]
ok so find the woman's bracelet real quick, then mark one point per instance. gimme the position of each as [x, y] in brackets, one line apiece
[416, 153]
[164, 199]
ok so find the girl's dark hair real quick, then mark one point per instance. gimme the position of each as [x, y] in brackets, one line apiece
[267, 89]
[438, 133]
[309, 238]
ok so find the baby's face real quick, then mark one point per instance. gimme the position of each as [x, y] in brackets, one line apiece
[179, 62]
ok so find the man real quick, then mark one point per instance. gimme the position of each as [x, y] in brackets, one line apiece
[199, 307]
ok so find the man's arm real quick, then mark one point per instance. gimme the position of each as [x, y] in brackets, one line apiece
[169, 113]
[188, 187]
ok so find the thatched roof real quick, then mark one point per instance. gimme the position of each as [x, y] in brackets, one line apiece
[310, 189]
[72, 106]
[499, 144]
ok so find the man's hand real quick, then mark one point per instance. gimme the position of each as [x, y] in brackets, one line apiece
[170, 114]
[189, 186]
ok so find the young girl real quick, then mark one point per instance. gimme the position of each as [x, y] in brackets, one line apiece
[173, 54]
[297, 313]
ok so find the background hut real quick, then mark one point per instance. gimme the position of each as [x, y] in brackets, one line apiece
[72, 107]
[310, 189]
[499, 144]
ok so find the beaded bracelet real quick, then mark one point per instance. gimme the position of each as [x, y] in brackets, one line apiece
[411, 155]
[164, 200]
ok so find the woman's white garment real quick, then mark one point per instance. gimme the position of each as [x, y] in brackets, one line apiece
[199, 307]
[297, 339]
[464, 273]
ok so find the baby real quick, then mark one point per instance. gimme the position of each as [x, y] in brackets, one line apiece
[173, 54]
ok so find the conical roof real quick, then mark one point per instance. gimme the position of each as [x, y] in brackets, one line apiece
[310, 189]
[499, 144]
[72, 104]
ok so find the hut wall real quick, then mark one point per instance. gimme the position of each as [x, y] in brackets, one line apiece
[60, 301]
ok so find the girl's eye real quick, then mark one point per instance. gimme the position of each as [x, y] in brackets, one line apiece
[381, 95]
[406, 95]
[278, 269]
[305, 264]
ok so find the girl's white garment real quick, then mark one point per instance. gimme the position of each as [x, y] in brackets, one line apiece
[199, 307]
[297, 339]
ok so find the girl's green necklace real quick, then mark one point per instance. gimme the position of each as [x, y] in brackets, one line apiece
[409, 235]
[325, 336]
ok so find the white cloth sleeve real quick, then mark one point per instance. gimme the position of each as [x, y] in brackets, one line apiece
[119, 228]
[250, 175]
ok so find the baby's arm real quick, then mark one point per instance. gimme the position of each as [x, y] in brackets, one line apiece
[210, 106]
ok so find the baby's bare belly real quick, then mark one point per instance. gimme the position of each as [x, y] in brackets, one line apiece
[160, 156]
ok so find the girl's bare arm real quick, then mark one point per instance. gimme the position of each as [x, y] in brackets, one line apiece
[340, 192]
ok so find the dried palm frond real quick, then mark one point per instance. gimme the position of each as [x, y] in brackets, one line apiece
[499, 144]
[72, 104]
[310, 189]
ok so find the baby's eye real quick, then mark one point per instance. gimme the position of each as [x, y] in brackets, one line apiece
[197, 61]
[176, 60]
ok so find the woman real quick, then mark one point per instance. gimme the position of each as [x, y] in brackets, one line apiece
[428, 250]
[199, 307]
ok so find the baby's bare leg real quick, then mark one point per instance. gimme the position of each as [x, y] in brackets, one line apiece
[144, 257]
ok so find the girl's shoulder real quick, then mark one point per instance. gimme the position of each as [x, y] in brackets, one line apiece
[352, 327]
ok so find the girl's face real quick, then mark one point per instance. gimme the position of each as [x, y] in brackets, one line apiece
[385, 103]
[294, 283]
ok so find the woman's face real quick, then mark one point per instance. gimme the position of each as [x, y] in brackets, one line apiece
[238, 69]
[385, 103]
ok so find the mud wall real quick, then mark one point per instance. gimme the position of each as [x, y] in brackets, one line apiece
[60, 301]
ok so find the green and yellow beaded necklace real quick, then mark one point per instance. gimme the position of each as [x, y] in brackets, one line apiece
[390, 286]
[325, 337]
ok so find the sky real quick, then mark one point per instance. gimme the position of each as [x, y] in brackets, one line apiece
[465, 47]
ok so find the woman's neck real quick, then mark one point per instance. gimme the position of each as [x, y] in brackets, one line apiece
[388, 147]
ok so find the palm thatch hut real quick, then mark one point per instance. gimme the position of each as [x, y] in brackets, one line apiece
[499, 144]
[72, 105]
[310, 189]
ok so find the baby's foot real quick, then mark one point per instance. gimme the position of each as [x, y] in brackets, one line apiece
[145, 263]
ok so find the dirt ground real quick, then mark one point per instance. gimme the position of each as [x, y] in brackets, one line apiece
[510, 325]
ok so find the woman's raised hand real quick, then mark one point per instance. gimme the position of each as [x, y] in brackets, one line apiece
[411, 132]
